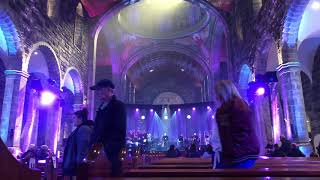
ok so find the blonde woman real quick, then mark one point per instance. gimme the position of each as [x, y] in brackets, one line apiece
[240, 146]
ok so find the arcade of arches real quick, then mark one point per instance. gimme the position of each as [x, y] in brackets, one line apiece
[156, 53]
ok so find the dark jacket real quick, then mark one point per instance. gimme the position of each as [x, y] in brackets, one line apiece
[237, 132]
[110, 124]
[76, 148]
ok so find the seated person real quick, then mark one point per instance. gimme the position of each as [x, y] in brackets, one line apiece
[172, 152]
[208, 153]
[43, 153]
[295, 151]
[314, 154]
[193, 152]
[30, 153]
[277, 151]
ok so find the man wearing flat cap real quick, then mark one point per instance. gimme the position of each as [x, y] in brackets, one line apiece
[110, 124]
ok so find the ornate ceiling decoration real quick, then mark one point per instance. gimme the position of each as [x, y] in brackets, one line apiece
[156, 20]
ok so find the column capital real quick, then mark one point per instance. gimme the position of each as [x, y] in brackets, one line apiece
[16, 72]
[288, 67]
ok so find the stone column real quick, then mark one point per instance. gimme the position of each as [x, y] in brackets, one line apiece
[12, 109]
[53, 124]
[293, 103]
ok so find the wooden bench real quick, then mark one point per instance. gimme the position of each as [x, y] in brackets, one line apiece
[260, 172]
[198, 167]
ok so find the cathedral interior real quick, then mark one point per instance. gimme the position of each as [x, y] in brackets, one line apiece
[164, 57]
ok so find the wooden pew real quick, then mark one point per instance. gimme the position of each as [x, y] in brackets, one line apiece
[261, 172]
[12, 169]
[182, 167]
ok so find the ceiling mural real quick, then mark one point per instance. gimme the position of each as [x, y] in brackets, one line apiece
[196, 33]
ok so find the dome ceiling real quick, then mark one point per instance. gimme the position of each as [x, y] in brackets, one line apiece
[163, 19]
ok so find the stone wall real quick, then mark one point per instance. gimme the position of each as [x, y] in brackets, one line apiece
[33, 26]
[258, 30]
[2, 84]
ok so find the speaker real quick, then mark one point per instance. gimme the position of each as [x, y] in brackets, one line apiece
[271, 76]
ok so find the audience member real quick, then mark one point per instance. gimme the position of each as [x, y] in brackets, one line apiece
[208, 153]
[295, 151]
[77, 144]
[277, 152]
[193, 152]
[43, 153]
[285, 145]
[240, 146]
[314, 154]
[172, 152]
[30, 153]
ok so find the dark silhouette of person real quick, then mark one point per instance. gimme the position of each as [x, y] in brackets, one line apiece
[277, 152]
[295, 151]
[77, 144]
[193, 152]
[285, 145]
[110, 124]
[172, 152]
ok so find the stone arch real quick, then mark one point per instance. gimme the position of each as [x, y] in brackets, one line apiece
[51, 60]
[72, 95]
[315, 115]
[99, 25]
[41, 123]
[289, 39]
[76, 81]
[10, 33]
[169, 48]
[266, 55]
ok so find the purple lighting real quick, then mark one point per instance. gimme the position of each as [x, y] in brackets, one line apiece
[151, 110]
[260, 91]
[47, 98]
[137, 110]
[193, 109]
[208, 107]
[143, 117]
[179, 109]
[188, 117]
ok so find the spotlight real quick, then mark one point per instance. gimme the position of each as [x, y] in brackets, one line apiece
[151, 110]
[35, 53]
[182, 70]
[315, 5]
[260, 91]
[165, 117]
[137, 109]
[208, 107]
[151, 70]
[212, 116]
[47, 98]
[193, 109]
[188, 117]
[143, 117]
[179, 109]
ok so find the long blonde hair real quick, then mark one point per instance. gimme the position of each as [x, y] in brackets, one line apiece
[225, 90]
